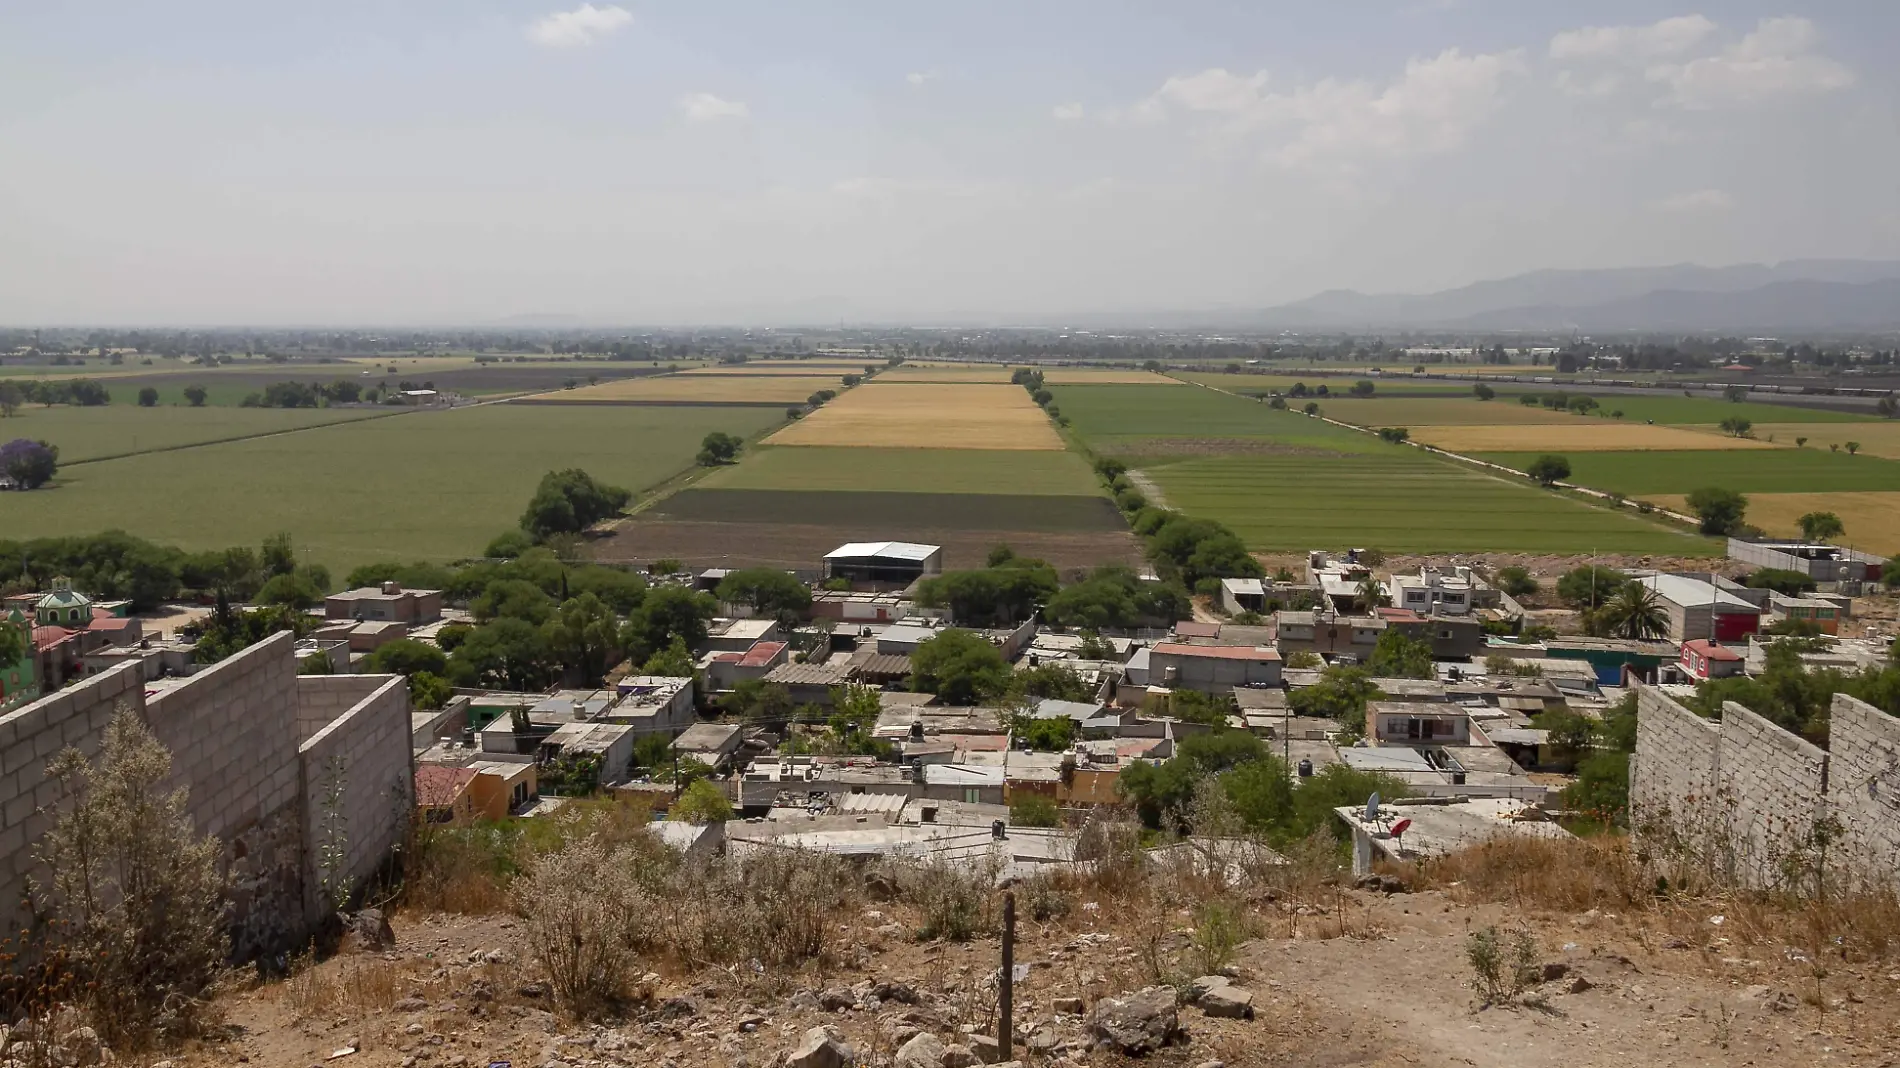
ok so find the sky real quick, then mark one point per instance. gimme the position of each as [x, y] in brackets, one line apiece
[461, 162]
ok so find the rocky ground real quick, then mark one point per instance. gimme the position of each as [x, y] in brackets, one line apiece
[1368, 979]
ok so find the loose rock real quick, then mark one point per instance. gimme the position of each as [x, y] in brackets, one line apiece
[1139, 1023]
[819, 1049]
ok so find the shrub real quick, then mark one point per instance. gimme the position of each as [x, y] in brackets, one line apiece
[702, 802]
[139, 895]
[1219, 928]
[1501, 970]
[953, 898]
[580, 919]
[1034, 810]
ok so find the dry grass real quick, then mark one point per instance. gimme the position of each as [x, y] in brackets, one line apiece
[1872, 517]
[888, 415]
[1595, 436]
[1669, 902]
[349, 985]
[700, 389]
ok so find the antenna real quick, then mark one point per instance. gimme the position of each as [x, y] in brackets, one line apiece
[1372, 807]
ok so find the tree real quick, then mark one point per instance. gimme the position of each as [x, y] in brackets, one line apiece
[512, 599]
[1852, 447]
[1483, 392]
[667, 612]
[1400, 656]
[1371, 593]
[1340, 694]
[1362, 388]
[701, 802]
[1636, 613]
[148, 397]
[584, 636]
[570, 501]
[1780, 579]
[1311, 408]
[993, 596]
[10, 399]
[290, 591]
[1034, 810]
[429, 691]
[960, 666]
[1590, 586]
[508, 654]
[1115, 596]
[769, 591]
[1735, 394]
[1549, 469]
[509, 544]
[673, 662]
[30, 464]
[721, 448]
[1516, 581]
[406, 656]
[1720, 510]
[138, 896]
[1821, 526]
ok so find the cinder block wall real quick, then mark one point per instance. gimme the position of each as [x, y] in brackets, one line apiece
[29, 737]
[234, 732]
[358, 789]
[1864, 780]
[1749, 799]
[322, 698]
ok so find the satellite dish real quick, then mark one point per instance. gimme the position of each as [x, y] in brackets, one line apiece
[1401, 827]
[1372, 807]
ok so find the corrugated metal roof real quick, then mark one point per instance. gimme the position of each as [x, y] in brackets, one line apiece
[909, 552]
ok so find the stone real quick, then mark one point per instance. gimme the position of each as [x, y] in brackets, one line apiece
[1198, 988]
[1580, 984]
[923, 1051]
[1228, 1002]
[805, 1001]
[371, 929]
[1555, 970]
[987, 1049]
[82, 1046]
[1211, 1064]
[1137, 1024]
[837, 999]
[959, 1057]
[819, 1049]
[1041, 1040]
[410, 1004]
[891, 991]
[1067, 1006]
[677, 1008]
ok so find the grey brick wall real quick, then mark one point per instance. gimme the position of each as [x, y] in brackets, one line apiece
[235, 731]
[1760, 805]
[358, 790]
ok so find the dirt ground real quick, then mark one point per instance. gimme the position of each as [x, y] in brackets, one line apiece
[703, 544]
[1379, 981]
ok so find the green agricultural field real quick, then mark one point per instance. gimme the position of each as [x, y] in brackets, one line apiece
[1428, 411]
[1675, 410]
[848, 510]
[428, 485]
[959, 471]
[1110, 418]
[1259, 384]
[121, 429]
[1748, 471]
[1401, 503]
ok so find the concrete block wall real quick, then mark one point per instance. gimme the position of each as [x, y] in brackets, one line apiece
[32, 735]
[322, 698]
[1773, 787]
[1864, 780]
[358, 789]
[1751, 801]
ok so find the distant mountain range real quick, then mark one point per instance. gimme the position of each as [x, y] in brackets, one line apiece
[1800, 295]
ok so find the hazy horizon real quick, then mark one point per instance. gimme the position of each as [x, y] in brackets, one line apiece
[448, 163]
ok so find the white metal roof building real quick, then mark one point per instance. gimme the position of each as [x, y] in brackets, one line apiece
[884, 562]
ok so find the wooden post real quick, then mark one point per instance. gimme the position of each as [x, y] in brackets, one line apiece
[1005, 987]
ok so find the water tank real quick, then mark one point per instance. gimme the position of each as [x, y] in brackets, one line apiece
[998, 829]
[1306, 768]
[917, 731]
[1457, 778]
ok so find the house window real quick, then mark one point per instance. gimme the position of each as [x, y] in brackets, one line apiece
[1444, 634]
[972, 795]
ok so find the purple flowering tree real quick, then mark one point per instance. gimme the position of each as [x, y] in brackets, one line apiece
[30, 464]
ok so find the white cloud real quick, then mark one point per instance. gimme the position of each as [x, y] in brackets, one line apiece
[582, 26]
[1698, 202]
[1429, 108]
[1067, 112]
[1669, 37]
[1570, 84]
[1777, 59]
[919, 77]
[706, 107]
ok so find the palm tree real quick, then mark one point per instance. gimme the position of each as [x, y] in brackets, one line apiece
[1636, 613]
[1371, 593]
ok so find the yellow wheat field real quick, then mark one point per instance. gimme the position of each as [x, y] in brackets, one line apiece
[701, 389]
[1874, 439]
[890, 415]
[1872, 518]
[1579, 437]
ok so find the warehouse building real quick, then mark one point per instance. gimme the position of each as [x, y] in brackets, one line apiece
[884, 563]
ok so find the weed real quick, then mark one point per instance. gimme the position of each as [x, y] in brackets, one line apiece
[1219, 928]
[1502, 967]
